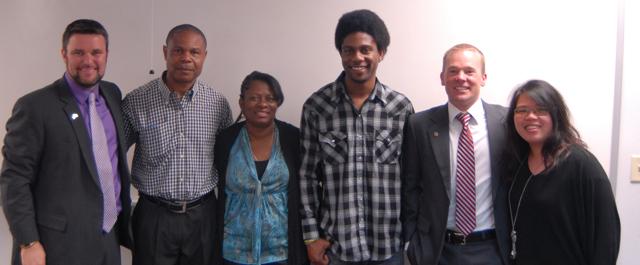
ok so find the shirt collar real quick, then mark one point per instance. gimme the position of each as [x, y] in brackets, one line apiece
[81, 93]
[340, 91]
[476, 110]
[166, 92]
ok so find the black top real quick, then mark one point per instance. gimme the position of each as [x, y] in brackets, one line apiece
[567, 215]
[290, 145]
[261, 166]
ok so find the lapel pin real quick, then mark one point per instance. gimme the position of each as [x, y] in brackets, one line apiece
[435, 134]
[74, 116]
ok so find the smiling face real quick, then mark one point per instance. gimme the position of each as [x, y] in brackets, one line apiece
[259, 104]
[85, 58]
[360, 58]
[532, 121]
[185, 54]
[463, 76]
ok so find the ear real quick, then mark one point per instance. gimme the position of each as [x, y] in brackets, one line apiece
[382, 53]
[63, 53]
[442, 78]
[483, 79]
[164, 51]
[241, 104]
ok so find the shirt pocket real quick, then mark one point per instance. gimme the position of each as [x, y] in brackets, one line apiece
[334, 146]
[387, 146]
[155, 141]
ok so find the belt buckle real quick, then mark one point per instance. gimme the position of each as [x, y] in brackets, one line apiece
[183, 207]
[455, 235]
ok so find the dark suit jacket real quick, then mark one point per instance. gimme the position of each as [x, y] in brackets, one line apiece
[50, 185]
[290, 144]
[426, 181]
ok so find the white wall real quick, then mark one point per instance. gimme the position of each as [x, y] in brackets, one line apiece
[627, 193]
[570, 43]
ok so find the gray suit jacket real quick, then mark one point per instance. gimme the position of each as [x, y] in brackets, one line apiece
[49, 181]
[426, 181]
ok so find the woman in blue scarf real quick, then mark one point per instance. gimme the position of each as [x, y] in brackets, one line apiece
[257, 162]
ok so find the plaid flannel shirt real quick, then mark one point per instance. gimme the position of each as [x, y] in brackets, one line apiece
[350, 172]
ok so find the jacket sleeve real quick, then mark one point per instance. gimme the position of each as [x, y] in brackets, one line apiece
[22, 151]
[410, 183]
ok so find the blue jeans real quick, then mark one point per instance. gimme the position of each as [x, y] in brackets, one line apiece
[396, 259]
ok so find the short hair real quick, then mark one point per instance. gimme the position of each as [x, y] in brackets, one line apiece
[271, 82]
[362, 21]
[563, 134]
[84, 26]
[185, 27]
[463, 47]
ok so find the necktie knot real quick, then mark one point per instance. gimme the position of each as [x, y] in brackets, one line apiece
[92, 98]
[464, 118]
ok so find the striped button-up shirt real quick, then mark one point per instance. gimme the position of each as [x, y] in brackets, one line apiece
[350, 172]
[174, 139]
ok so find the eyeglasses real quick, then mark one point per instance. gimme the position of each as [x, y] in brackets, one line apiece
[524, 111]
[259, 99]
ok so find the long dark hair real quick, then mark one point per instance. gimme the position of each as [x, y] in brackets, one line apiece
[563, 134]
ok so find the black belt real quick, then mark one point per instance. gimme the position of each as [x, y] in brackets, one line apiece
[457, 238]
[177, 206]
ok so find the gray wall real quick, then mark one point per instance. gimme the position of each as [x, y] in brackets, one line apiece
[570, 43]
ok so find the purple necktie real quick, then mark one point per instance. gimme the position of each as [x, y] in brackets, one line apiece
[465, 179]
[103, 164]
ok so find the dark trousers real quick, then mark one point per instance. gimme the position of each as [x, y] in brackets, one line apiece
[396, 259]
[480, 253]
[163, 237]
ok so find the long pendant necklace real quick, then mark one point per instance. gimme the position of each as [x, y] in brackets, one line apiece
[514, 218]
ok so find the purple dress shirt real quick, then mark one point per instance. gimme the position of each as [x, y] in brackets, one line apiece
[82, 98]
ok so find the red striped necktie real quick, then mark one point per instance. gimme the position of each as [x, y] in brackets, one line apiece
[465, 179]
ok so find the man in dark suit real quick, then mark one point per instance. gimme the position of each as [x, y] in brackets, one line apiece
[64, 179]
[453, 209]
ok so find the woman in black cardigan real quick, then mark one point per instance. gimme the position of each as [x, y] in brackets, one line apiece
[561, 204]
[257, 161]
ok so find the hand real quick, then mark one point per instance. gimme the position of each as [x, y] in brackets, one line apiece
[33, 255]
[316, 251]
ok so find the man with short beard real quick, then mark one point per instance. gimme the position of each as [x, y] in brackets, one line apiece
[64, 179]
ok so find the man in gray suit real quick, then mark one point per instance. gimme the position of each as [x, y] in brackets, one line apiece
[453, 209]
[64, 180]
